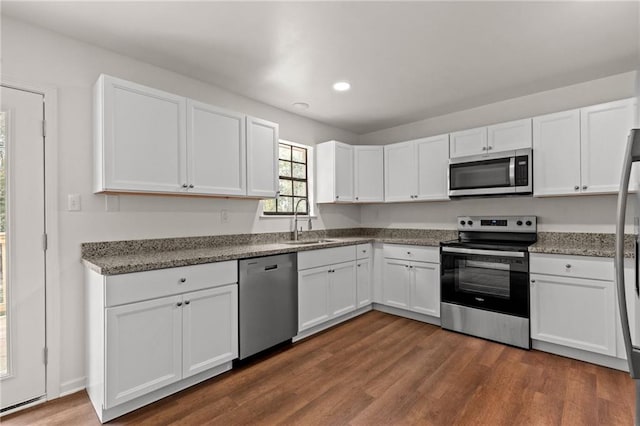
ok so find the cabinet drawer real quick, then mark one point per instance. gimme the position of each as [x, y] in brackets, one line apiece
[417, 253]
[328, 256]
[364, 251]
[127, 288]
[597, 268]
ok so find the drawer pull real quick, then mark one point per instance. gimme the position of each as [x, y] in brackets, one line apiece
[186, 302]
[533, 281]
[568, 266]
[179, 304]
[183, 280]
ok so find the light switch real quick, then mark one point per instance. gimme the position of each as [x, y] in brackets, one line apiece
[73, 203]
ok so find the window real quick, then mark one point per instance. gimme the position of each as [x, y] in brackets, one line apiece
[294, 181]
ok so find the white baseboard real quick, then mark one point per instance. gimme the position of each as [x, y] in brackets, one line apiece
[591, 357]
[407, 314]
[72, 386]
[320, 327]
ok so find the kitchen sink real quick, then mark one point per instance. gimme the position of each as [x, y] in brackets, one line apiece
[308, 242]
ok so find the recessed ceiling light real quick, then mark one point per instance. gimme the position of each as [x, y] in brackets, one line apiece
[301, 105]
[341, 86]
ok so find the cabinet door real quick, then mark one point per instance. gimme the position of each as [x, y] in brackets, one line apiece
[368, 173]
[574, 312]
[143, 348]
[363, 278]
[468, 142]
[395, 285]
[604, 132]
[344, 172]
[433, 159]
[509, 136]
[425, 288]
[215, 150]
[342, 292]
[140, 137]
[556, 154]
[400, 172]
[210, 328]
[262, 158]
[313, 297]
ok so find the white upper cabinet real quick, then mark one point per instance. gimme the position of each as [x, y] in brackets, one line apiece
[556, 153]
[141, 138]
[215, 150]
[509, 136]
[147, 140]
[262, 158]
[581, 151]
[468, 142]
[334, 172]
[604, 130]
[417, 170]
[400, 172]
[368, 173]
[432, 159]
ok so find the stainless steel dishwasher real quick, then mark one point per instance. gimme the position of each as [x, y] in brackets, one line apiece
[268, 302]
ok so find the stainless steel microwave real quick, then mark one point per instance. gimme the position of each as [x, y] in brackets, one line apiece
[502, 173]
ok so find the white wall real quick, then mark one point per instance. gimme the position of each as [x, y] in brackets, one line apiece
[579, 214]
[40, 57]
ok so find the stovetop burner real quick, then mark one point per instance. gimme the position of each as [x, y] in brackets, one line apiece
[513, 233]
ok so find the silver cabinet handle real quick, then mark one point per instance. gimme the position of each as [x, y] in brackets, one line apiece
[337, 196]
[359, 265]
[179, 304]
[568, 266]
[533, 281]
[584, 187]
[357, 198]
[183, 280]
[191, 186]
[186, 302]
[184, 185]
[484, 148]
[489, 147]
[576, 188]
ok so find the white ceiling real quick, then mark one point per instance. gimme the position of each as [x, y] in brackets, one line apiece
[406, 60]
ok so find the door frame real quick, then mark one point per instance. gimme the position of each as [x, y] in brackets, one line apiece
[52, 274]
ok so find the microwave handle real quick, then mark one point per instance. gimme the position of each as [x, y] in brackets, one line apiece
[512, 171]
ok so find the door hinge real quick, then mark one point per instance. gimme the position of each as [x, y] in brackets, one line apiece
[44, 128]
[45, 355]
[45, 242]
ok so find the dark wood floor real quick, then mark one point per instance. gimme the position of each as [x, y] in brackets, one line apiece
[380, 369]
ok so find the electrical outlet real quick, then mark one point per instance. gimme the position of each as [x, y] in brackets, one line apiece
[73, 203]
[224, 216]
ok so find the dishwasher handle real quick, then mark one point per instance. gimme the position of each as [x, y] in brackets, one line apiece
[270, 267]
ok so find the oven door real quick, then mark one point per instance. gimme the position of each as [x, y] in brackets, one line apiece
[493, 280]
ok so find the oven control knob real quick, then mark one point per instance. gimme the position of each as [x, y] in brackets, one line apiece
[519, 223]
[470, 223]
[463, 223]
[528, 223]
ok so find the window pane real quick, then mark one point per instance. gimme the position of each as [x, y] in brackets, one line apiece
[286, 187]
[285, 152]
[302, 208]
[285, 168]
[300, 188]
[269, 205]
[299, 171]
[299, 154]
[285, 204]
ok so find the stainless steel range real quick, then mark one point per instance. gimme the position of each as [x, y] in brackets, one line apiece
[485, 278]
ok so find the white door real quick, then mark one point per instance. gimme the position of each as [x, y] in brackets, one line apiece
[313, 297]
[363, 277]
[344, 172]
[22, 308]
[215, 150]
[508, 136]
[556, 153]
[262, 158]
[604, 132]
[368, 173]
[400, 172]
[395, 283]
[433, 161]
[210, 328]
[143, 348]
[468, 142]
[342, 278]
[425, 288]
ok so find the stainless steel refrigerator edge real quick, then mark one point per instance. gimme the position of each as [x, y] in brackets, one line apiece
[268, 302]
[632, 154]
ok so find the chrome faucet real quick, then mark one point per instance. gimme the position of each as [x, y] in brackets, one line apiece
[296, 232]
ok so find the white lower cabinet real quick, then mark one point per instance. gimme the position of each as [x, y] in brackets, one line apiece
[149, 336]
[410, 283]
[364, 271]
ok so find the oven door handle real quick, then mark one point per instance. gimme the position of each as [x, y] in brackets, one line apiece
[499, 253]
[512, 171]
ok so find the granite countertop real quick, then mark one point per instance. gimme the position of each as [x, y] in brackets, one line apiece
[121, 257]
[581, 244]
